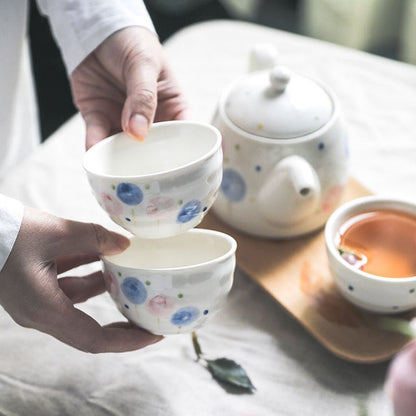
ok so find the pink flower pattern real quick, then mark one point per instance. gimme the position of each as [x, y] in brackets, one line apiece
[161, 305]
[160, 207]
[111, 204]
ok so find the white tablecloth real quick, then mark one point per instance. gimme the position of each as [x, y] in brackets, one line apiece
[293, 373]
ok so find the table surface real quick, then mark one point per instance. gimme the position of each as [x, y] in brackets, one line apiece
[293, 373]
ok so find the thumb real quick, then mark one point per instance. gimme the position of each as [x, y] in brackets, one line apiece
[141, 88]
[79, 237]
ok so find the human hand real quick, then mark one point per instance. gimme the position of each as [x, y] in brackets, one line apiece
[31, 293]
[401, 382]
[126, 84]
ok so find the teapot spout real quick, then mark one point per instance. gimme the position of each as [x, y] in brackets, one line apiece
[290, 193]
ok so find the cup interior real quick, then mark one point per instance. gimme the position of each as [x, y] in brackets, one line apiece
[193, 248]
[169, 146]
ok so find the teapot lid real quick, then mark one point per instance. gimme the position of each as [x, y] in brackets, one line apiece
[278, 104]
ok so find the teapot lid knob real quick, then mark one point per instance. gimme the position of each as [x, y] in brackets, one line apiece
[262, 56]
[279, 78]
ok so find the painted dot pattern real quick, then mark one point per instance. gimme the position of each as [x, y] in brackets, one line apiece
[129, 193]
[134, 290]
[147, 199]
[141, 297]
[394, 307]
[233, 186]
[189, 211]
[185, 316]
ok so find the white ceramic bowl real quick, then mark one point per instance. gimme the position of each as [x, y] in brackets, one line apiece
[162, 186]
[172, 285]
[368, 291]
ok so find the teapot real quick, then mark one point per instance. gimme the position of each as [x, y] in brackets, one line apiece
[285, 150]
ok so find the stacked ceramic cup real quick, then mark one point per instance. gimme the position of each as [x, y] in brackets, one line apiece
[173, 277]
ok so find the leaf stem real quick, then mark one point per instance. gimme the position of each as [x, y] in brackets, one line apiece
[224, 370]
[197, 347]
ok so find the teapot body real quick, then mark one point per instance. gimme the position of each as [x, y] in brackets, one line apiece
[280, 188]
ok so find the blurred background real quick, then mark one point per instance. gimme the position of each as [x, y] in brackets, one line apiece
[382, 27]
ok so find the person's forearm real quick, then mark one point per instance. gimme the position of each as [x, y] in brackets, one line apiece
[79, 26]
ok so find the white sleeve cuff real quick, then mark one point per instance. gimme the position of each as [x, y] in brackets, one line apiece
[79, 26]
[11, 215]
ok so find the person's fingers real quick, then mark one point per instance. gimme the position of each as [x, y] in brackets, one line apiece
[172, 110]
[139, 109]
[79, 289]
[71, 261]
[184, 114]
[98, 126]
[172, 104]
[102, 117]
[76, 328]
[141, 73]
[122, 324]
[99, 98]
[78, 237]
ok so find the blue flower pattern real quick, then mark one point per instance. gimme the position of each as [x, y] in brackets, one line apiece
[129, 193]
[233, 185]
[134, 290]
[189, 211]
[185, 316]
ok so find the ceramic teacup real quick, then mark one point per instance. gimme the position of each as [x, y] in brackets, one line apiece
[172, 285]
[381, 292]
[162, 186]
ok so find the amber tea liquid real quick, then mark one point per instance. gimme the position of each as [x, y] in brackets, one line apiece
[387, 239]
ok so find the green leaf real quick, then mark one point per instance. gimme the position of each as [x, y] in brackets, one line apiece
[402, 326]
[228, 371]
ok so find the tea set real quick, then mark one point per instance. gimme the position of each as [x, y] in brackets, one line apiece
[273, 164]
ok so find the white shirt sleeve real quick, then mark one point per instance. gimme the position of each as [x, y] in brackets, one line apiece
[11, 215]
[79, 26]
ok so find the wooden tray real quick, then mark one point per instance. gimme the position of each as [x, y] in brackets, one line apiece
[295, 272]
